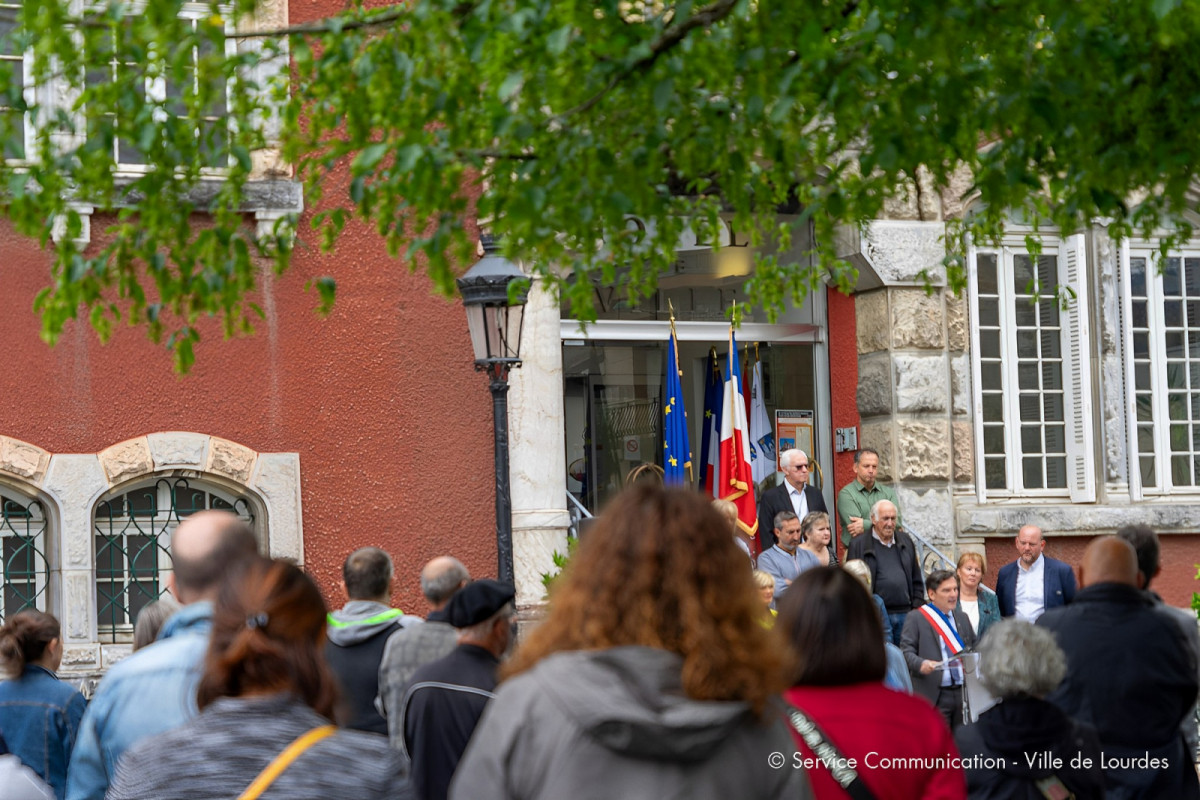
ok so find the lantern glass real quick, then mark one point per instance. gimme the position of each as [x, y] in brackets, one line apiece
[495, 326]
[475, 324]
[496, 331]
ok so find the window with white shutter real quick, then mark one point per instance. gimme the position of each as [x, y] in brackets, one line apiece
[1031, 371]
[1162, 362]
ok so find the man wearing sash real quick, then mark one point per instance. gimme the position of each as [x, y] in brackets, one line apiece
[931, 637]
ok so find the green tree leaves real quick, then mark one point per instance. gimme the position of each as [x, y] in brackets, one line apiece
[555, 120]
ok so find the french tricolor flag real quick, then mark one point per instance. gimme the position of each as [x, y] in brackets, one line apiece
[735, 481]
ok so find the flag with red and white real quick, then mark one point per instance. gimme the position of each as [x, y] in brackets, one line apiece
[735, 480]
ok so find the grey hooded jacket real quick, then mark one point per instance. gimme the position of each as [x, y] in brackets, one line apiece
[358, 635]
[615, 723]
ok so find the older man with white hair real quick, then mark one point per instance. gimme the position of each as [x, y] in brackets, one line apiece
[892, 558]
[794, 495]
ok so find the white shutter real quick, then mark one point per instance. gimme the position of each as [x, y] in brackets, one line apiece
[1077, 373]
[976, 394]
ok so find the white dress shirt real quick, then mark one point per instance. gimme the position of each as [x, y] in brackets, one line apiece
[799, 501]
[1031, 590]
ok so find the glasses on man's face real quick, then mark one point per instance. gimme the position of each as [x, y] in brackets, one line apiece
[802, 467]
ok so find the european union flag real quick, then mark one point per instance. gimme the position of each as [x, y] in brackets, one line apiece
[677, 452]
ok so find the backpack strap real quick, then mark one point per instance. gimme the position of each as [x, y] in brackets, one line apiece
[284, 760]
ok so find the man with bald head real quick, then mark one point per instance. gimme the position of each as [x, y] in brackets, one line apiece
[1131, 675]
[1035, 582]
[154, 689]
[417, 645]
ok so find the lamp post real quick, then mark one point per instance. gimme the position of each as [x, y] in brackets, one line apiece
[495, 324]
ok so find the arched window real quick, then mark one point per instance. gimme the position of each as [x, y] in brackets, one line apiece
[132, 539]
[23, 547]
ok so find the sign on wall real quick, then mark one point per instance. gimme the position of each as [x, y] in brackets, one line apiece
[793, 429]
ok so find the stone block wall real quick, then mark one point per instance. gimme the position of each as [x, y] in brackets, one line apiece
[914, 377]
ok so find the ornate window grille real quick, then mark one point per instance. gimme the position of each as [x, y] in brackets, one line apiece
[26, 573]
[133, 545]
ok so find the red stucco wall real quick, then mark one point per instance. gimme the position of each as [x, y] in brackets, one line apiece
[843, 377]
[380, 399]
[1175, 583]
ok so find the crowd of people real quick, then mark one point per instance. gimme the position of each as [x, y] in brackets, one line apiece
[664, 666]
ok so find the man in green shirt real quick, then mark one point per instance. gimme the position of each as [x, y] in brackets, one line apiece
[856, 498]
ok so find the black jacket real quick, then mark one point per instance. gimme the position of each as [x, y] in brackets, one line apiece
[441, 708]
[1024, 728]
[863, 547]
[777, 499]
[1131, 675]
[356, 666]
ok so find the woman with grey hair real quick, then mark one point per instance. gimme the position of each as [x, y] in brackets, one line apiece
[1025, 747]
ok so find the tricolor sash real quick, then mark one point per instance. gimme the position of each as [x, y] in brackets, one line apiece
[954, 644]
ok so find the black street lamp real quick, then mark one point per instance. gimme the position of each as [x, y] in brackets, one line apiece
[495, 323]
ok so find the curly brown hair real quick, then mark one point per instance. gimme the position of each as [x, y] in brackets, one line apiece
[659, 569]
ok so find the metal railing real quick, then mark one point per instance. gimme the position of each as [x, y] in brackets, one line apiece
[132, 539]
[928, 556]
[577, 513]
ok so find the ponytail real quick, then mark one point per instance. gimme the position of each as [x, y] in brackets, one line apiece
[24, 639]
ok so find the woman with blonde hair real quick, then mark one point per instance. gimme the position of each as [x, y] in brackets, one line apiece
[978, 602]
[650, 676]
[765, 583]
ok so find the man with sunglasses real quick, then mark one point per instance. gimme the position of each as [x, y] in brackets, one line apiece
[794, 495]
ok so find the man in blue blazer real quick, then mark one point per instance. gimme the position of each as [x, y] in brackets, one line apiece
[1034, 582]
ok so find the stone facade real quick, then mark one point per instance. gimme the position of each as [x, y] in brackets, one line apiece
[23, 460]
[914, 382]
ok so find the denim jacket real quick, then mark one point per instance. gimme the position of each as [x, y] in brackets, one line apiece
[150, 692]
[40, 715]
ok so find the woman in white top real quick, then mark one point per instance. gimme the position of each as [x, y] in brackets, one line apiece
[816, 537]
[978, 602]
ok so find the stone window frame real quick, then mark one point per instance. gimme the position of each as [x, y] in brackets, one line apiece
[69, 485]
[1145, 343]
[1073, 293]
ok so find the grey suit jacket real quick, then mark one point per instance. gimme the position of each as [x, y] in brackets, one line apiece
[919, 641]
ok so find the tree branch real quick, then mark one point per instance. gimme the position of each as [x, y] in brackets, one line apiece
[673, 35]
[325, 26]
